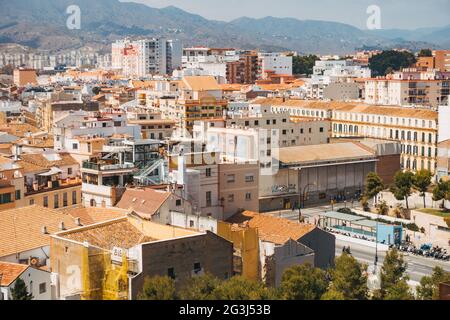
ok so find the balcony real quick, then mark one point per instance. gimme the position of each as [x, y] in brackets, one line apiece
[106, 166]
[52, 185]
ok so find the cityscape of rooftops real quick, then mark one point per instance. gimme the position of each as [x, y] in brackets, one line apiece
[209, 153]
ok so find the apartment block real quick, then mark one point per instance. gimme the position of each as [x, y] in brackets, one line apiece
[415, 128]
[141, 58]
[25, 77]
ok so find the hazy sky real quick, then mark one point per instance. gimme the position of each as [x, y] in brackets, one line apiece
[402, 14]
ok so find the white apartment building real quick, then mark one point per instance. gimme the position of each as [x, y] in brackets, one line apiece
[407, 89]
[141, 58]
[208, 61]
[277, 62]
[70, 127]
[327, 72]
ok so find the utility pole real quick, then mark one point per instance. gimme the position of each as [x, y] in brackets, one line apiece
[376, 245]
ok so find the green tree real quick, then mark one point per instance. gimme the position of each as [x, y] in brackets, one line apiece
[158, 288]
[20, 291]
[304, 64]
[399, 291]
[382, 208]
[303, 282]
[348, 279]
[240, 288]
[374, 185]
[200, 288]
[422, 181]
[425, 53]
[441, 191]
[392, 274]
[390, 60]
[429, 285]
[333, 295]
[402, 188]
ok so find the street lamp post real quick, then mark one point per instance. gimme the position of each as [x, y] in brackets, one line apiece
[301, 199]
[376, 244]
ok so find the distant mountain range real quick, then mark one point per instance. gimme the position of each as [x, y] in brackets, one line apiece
[41, 24]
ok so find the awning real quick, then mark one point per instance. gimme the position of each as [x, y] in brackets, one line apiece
[53, 171]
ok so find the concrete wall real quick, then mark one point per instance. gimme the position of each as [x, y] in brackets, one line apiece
[324, 246]
[275, 259]
[214, 254]
[246, 178]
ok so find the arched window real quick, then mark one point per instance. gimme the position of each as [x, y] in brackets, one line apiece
[93, 203]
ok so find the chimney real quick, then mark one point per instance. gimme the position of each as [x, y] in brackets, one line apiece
[61, 226]
[44, 230]
[78, 222]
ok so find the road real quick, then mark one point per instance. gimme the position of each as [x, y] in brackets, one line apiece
[417, 266]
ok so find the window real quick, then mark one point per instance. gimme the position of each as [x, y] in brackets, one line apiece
[256, 123]
[191, 223]
[171, 273]
[75, 146]
[42, 288]
[249, 178]
[65, 202]
[31, 202]
[208, 198]
[208, 172]
[197, 267]
[69, 170]
[56, 201]
[46, 201]
[178, 202]
[6, 198]
[18, 195]
[231, 198]
[248, 196]
[321, 129]
[74, 197]
[231, 178]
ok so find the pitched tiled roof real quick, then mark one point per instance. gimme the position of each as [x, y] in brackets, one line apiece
[201, 83]
[351, 107]
[95, 215]
[21, 228]
[10, 272]
[40, 160]
[144, 202]
[119, 233]
[272, 229]
[323, 152]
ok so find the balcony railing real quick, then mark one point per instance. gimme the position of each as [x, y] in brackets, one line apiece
[107, 167]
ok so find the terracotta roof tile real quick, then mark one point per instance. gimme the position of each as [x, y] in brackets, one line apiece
[119, 233]
[351, 107]
[10, 272]
[40, 160]
[144, 202]
[95, 215]
[21, 229]
[272, 229]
